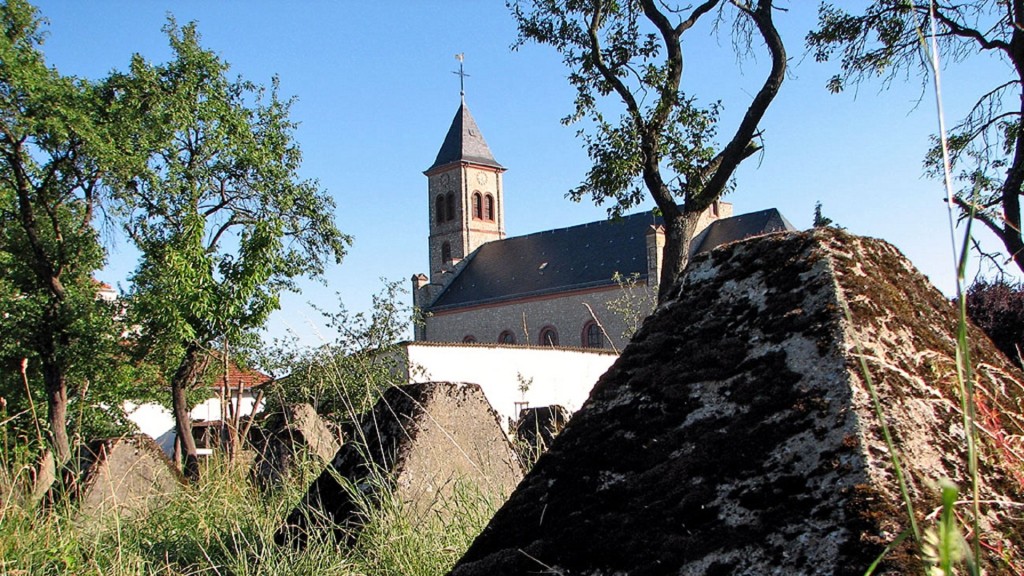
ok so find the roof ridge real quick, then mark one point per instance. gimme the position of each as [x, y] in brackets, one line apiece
[583, 225]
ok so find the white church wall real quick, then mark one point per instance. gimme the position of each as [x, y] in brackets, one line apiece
[554, 376]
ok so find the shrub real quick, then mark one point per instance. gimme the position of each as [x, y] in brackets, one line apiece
[997, 307]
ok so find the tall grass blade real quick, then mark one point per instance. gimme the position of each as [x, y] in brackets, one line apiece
[892, 546]
[964, 372]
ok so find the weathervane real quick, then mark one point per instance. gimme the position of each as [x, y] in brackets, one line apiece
[462, 75]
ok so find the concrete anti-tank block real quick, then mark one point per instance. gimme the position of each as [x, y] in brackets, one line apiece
[420, 440]
[536, 429]
[284, 438]
[736, 434]
[123, 475]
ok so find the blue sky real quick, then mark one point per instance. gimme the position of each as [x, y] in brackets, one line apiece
[376, 94]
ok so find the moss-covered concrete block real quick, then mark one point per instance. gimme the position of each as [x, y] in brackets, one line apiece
[736, 433]
[419, 444]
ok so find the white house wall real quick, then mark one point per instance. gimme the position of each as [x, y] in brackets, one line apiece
[554, 375]
[157, 421]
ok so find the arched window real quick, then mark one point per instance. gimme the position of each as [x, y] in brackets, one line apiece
[446, 253]
[507, 337]
[489, 207]
[439, 208]
[468, 339]
[478, 210]
[450, 201]
[592, 337]
[548, 336]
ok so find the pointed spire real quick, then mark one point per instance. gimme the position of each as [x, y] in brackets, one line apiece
[464, 143]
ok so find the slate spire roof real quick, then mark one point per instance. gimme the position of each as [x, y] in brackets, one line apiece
[464, 143]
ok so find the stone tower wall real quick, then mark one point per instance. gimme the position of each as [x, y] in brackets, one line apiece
[465, 232]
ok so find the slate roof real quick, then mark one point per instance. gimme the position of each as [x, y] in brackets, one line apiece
[737, 228]
[579, 257]
[464, 143]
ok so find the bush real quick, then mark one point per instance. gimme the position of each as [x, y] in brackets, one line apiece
[997, 307]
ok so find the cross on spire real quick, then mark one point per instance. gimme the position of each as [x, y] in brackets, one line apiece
[461, 74]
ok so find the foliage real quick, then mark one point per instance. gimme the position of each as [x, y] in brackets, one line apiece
[822, 221]
[99, 375]
[997, 307]
[986, 147]
[345, 377]
[223, 221]
[57, 148]
[633, 305]
[664, 141]
[524, 384]
[221, 217]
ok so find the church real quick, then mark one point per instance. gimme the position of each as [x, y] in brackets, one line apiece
[578, 287]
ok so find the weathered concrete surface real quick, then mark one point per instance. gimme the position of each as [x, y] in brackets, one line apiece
[125, 475]
[286, 439]
[42, 477]
[736, 434]
[422, 441]
[29, 484]
[536, 429]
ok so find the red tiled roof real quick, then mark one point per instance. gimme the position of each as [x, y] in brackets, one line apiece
[247, 377]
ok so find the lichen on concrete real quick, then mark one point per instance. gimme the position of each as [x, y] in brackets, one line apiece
[736, 435]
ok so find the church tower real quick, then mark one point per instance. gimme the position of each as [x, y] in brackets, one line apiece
[464, 192]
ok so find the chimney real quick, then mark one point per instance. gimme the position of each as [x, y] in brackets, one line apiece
[655, 247]
[418, 281]
[420, 299]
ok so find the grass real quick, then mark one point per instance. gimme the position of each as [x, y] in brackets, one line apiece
[225, 526]
[942, 547]
[396, 542]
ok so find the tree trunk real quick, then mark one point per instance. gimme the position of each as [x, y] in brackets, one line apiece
[1011, 233]
[191, 369]
[680, 229]
[57, 406]
[49, 348]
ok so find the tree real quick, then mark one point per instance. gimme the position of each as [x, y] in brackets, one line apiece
[997, 307]
[56, 149]
[345, 378]
[987, 145]
[633, 304]
[664, 140]
[221, 218]
[822, 221]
